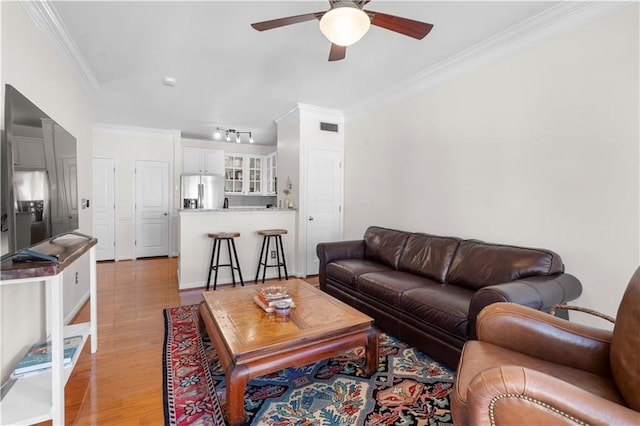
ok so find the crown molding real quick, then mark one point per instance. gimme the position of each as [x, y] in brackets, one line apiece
[548, 24]
[312, 109]
[137, 132]
[47, 20]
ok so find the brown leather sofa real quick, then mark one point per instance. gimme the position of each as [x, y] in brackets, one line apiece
[428, 290]
[531, 368]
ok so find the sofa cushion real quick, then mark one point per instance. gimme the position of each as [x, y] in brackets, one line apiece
[428, 255]
[477, 264]
[440, 305]
[347, 271]
[388, 286]
[384, 245]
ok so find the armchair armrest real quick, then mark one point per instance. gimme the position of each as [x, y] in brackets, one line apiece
[330, 251]
[557, 340]
[517, 395]
[539, 292]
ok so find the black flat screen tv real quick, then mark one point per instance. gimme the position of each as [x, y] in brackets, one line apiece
[39, 190]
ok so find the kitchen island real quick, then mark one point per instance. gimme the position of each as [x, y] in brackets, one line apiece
[196, 246]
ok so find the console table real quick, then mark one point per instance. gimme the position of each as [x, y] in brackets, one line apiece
[40, 397]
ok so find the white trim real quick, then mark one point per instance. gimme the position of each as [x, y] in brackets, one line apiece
[552, 22]
[143, 132]
[47, 20]
[339, 114]
[320, 110]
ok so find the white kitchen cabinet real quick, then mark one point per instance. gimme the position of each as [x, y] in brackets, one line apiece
[234, 174]
[244, 174]
[200, 160]
[254, 178]
[271, 173]
[28, 153]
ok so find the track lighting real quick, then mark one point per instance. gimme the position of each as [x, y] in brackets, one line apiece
[229, 133]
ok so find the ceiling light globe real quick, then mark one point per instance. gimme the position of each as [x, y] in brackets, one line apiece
[345, 24]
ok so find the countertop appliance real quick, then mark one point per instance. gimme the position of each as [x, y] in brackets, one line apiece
[202, 191]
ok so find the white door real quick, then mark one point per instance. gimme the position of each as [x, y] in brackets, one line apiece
[104, 205]
[152, 208]
[324, 202]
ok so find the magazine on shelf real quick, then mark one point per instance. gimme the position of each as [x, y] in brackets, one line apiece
[38, 358]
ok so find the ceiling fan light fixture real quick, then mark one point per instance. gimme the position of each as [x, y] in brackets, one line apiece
[345, 24]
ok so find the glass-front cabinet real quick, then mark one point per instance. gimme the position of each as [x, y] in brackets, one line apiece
[271, 168]
[234, 174]
[254, 182]
[247, 174]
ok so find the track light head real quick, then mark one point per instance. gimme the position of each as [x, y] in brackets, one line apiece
[228, 133]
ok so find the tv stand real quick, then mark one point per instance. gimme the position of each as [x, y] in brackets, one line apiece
[37, 398]
[72, 233]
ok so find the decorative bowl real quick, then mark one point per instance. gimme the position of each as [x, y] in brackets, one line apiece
[274, 292]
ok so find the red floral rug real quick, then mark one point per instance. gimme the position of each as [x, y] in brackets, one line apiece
[409, 388]
[189, 390]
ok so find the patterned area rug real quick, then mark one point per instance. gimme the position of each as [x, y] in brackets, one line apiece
[409, 388]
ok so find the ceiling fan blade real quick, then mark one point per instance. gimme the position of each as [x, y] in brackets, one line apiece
[408, 27]
[337, 52]
[281, 22]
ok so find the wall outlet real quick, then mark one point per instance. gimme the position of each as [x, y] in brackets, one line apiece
[273, 254]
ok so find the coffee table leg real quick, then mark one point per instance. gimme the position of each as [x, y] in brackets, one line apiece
[371, 350]
[237, 378]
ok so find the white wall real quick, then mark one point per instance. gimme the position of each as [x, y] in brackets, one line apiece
[230, 147]
[538, 149]
[126, 146]
[32, 66]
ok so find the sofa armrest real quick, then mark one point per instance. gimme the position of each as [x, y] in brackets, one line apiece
[330, 251]
[539, 292]
[517, 395]
[546, 337]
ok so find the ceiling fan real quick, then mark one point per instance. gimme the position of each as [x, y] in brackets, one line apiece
[346, 22]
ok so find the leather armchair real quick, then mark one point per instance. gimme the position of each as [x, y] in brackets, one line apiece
[529, 367]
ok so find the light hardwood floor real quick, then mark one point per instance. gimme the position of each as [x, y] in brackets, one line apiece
[122, 383]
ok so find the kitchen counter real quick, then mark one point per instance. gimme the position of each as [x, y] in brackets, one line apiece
[234, 210]
[196, 246]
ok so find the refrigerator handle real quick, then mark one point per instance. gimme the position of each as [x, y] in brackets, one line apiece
[200, 195]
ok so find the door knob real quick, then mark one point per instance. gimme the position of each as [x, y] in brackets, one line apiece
[310, 218]
[165, 214]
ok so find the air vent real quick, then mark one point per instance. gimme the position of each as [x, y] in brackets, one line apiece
[329, 127]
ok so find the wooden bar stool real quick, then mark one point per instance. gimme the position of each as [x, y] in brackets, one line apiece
[218, 238]
[267, 235]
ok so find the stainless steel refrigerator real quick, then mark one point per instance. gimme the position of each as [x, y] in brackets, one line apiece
[202, 191]
[32, 203]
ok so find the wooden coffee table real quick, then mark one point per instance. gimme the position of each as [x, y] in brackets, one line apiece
[252, 343]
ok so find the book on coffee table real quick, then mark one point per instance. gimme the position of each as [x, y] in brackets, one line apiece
[38, 358]
[269, 305]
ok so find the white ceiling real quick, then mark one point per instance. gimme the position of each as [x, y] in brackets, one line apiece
[230, 75]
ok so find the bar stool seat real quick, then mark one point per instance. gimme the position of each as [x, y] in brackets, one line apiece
[267, 235]
[218, 238]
